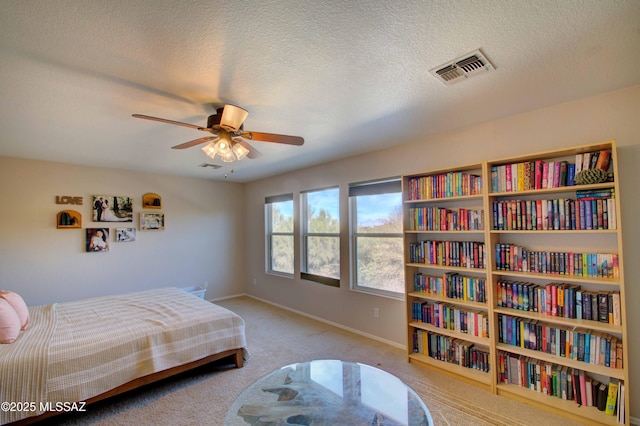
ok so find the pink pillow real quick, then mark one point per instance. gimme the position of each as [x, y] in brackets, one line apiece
[17, 302]
[9, 323]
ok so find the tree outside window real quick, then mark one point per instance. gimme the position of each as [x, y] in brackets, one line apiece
[280, 247]
[376, 237]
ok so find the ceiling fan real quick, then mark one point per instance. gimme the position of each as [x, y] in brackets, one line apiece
[229, 139]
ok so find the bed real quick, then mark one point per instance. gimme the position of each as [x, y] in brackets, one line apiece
[95, 348]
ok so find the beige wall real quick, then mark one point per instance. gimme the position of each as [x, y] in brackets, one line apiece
[613, 115]
[204, 231]
[209, 238]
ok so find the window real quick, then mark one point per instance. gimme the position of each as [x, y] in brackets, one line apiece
[321, 236]
[376, 237]
[279, 215]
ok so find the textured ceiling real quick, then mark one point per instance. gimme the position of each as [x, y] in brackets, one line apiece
[349, 77]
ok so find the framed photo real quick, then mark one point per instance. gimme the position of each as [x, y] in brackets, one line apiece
[151, 221]
[125, 235]
[97, 240]
[112, 208]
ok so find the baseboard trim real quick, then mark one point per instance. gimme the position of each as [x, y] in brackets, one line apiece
[325, 321]
[233, 296]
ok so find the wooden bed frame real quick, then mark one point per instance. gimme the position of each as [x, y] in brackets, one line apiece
[237, 356]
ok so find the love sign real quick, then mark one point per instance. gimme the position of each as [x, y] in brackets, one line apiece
[66, 199]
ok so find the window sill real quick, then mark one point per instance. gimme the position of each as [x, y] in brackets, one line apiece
[380, 293]
[332, 282]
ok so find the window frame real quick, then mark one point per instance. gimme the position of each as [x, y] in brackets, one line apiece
[269, 202]
[373, 187]
[305, 234]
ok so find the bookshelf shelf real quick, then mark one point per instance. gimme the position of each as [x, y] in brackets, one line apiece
[558, 278]
[551, 231]
[450, 333]
[460, 302]
[617, 373]
[445, 199]
[561, 189]
[569, 322]
[480, 377]
[581, 413]
[446, 232]
[448, 268]
[596, 243]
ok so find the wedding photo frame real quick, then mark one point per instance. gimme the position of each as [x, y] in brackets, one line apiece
[125, 235]
[112, 208]
[151, 221]
[97, 240]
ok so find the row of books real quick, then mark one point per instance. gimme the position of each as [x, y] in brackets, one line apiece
[562, 382]
[555, 214]
[593, 160]
[561, 300]
[445, 185]
[466, 254]
[443, 219]
[540, 174]
[511, 257]
[573, 343]
[450, 317]
[452, 286]
[453, 351]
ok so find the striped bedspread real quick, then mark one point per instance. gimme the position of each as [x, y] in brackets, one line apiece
[76, 350]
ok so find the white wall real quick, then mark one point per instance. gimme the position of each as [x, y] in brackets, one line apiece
[203, 233]
[613, 115]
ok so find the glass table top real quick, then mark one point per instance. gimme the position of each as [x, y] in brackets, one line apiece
[328, 392]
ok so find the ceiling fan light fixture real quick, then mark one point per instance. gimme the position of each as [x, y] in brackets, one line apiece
[239, 150]
[210, 149]
[227, 157]
[233, 117]
[223, 147]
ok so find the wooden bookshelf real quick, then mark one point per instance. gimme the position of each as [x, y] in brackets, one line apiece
[442, 207]
[558, 239]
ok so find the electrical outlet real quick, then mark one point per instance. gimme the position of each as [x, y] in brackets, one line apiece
[255, 282]
[376, 312]
[205, 284]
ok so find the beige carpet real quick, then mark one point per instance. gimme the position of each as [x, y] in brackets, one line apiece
[277, 337]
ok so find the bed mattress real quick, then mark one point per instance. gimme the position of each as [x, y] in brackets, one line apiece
[76, 350]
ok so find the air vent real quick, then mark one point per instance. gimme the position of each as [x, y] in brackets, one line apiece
[213, 166]
[461, 68]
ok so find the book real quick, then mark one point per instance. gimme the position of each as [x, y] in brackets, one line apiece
[616, 308]
[594, 159]
[621, 404]
[588, 391]
[571, 174]
[586, 161]
[583, 388]
[612, 396]
[601, 397]
[603, 161]
[603, 307]
[578, 163]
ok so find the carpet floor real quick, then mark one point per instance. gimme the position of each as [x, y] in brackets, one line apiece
[277, 337]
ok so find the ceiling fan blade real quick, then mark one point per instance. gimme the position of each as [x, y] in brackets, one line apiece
[195, 142]
[164, 120]
[233, 117]
[271, 137]
[253, 153]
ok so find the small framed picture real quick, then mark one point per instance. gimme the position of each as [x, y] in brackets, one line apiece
[97, 240]
[125, 235]
[151, 221]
